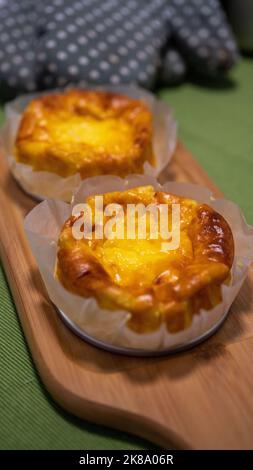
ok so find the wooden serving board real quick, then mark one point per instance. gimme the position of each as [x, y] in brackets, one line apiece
[199, 399]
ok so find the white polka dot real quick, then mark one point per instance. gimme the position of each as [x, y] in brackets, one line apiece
[59, 16]
[41, 56]
[149, 48]
[99, 27]
[71, 28]
[184, 32]
[124, 71]
[23, 72]
[137, 19]
[178, 21]
[51, 25]
[178, 68]
[49, 9]
[133, 64]
[28, 29]
[203, 33]
[139, 36]
[108, 22]
[93, 53]
[117, 16]
[89, 17]
[173, 56]
[141, 55]
[82, 40]
[78, 6]
[122, 50]
[206, 10]
[188, 10]
[230, 45]
[61, 34]
[170, 11]
[128, 26]
[73, 70]
[223, 33]
[113, 58]
[97, 12]
[23, 44]
[193, 41]
[17, 59]
[156, 24]
[142, 76]
[214, 20]
[131, 43]
[72, 47]
[50, 44]
[111, 39]
[91, 34]
[4, 37]
[94, 74]
[115, 79]
[83, 60]
[151, 68]
[9, 22]
[61, 55]
[29, 55]
[69, 11]
[102, 46]
[80, 21]
[147, 30]
[11, 48]
[125, 10]
[5, 66]
[119, 33]
[104, 65]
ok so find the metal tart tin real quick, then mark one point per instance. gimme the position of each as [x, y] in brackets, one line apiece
[138, 352]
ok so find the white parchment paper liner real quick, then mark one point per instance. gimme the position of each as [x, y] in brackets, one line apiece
[44, 184]
[44, 222]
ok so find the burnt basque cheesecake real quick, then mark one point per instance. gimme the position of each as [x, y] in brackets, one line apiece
[156, 285]
[86, 132]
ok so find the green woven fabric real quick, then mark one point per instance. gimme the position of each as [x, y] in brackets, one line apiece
[216, 125]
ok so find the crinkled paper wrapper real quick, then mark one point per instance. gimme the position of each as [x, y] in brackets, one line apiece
[43, 225]
[44, 184]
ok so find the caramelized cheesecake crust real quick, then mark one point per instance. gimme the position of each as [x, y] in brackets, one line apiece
[138, 276]
[90, 132]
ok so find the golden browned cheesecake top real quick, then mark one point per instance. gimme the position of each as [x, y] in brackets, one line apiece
[154, 283]
[90, 132]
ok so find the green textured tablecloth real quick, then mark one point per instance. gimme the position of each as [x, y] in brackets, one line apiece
[217, 126]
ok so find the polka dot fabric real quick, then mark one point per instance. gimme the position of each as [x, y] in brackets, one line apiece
[102, 42]
[52, 43]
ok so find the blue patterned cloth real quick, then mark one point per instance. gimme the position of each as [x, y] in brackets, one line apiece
[51, 43]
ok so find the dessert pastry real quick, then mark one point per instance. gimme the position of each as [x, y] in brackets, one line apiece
[140, 275]
[86, 132]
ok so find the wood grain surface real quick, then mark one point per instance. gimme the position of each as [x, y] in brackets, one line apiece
[200, 399]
